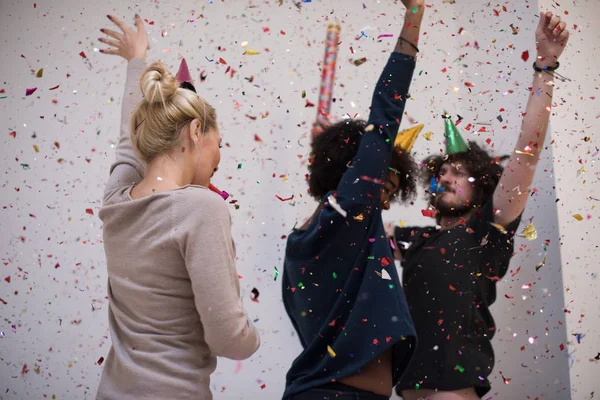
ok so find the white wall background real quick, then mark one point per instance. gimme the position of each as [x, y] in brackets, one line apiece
[56, 146]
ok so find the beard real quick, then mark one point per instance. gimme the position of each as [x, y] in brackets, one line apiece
[446, 209]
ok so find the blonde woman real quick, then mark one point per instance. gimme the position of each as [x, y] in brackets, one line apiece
[173, 287]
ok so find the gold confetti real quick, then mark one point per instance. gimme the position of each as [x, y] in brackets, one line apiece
[523, 152]
[529, 232]
[427, 135]
[40, 73]
[499, 227]
[360, 217]
[540, 265]
[330, 351]
[359, 62]
[448, 1]
[401, 224]
[578, 217]
[36, 148]
[252, 52]
[304, 94]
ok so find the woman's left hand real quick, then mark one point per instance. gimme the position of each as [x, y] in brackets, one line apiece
[551, 37]
[131, 43]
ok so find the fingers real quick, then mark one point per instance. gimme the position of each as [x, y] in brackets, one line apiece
[110, 51]
[114, 34]
[139, 23]
[109, 42]
[119, 23]
[564, 36]
[553, 23]
[559, 28]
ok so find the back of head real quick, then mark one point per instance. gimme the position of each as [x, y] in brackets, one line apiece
[167, 108]
[483, 168]
[332, 152]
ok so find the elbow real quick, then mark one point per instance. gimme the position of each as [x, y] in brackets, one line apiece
[240, 346]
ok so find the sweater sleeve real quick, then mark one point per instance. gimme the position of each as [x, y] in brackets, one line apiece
[362, 182]
[203, 230]
[128, 168]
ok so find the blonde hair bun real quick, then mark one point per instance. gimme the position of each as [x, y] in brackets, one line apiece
[158, 84]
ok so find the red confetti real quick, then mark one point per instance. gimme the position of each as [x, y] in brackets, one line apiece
[82, 54]
[375, 341]
[562, 347]
[55, 87]
[89, 211]
[509, 297]
[266, 29]
[24, 370]
[525, 55]
[428, 213]
[7, 279]
[332, 323]
[30, 91]
[452, 288]
[286, 199]
[13, 134]
[263, 386]
[309, 104]
[101, 360]
[469, 84]
[385, 261]
[257, 138]
[3, 302]
[282, 32]
[221, 61]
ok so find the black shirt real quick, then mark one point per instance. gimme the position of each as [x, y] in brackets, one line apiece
[449, 278]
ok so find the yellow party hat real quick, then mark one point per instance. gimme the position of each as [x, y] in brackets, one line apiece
[406, 138]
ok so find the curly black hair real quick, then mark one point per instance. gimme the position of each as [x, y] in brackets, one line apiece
[333, 151]
[485, 169]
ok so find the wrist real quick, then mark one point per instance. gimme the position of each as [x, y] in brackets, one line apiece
[545, 61]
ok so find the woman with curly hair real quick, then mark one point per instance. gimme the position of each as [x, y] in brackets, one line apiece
[450, 271]
[340, 285]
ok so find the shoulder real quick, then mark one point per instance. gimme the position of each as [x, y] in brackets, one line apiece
[200, 202]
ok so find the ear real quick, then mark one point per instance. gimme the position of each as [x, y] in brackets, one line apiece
[194, 131]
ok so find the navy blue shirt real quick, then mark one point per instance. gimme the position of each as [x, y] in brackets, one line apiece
[340, 285]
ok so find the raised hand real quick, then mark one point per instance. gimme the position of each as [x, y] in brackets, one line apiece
[129, 44]
[551, 38]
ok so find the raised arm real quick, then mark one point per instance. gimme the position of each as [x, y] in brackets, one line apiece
[132, 45]
[364, 178]
[512, 191]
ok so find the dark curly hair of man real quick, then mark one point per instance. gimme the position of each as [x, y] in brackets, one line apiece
[485, 169]
[334, 149]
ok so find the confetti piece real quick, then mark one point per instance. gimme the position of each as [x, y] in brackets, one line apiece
[540, 265]
[452, 288]
[286, 199]
[469, 84]
[255, 294]
[428, 213]
[334, 204]
[385, 275]
[89, 211]
[100, 361]
[499, 227]
[578, 217]
[252, 52]
[276, 273]
[330, 351]
[459, 368]
[385, 35]
[360, 61]
[40, 73]
[30, 91]
[525, 55]
[529, 232]
[427, 135]
[524, 152]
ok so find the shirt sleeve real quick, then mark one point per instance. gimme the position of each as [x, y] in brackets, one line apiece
[364, 178]
[128, 168]
[203, 227]
[497, 242]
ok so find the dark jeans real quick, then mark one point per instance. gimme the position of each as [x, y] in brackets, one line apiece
[336, 391]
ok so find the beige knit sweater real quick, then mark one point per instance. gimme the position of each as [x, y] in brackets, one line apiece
[172, 283]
